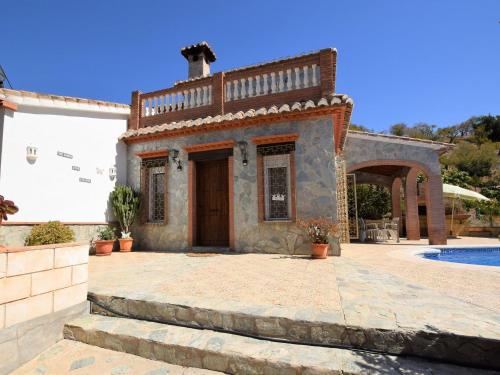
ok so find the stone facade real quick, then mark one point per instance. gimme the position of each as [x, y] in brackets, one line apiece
[315, 188]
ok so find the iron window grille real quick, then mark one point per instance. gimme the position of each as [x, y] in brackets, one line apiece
[154, 189]
[277, 190]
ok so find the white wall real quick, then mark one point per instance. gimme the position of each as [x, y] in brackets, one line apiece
[49, 189]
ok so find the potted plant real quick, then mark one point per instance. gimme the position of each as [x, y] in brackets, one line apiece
[6, 208]
[319, 230]
[125, 202]
[104, 243]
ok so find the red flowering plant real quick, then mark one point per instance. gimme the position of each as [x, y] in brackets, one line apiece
[6, 208]
[318, 230]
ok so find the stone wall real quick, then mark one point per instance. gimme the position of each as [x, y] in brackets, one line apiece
[361, 148]
[47, 283]
[315, 188]
[15, 235]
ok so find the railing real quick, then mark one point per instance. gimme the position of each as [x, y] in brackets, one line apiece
[272, 83]
[176, 101]
[305, 77]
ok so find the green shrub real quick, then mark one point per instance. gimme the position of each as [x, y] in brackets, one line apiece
[49, 233]
[106, 234]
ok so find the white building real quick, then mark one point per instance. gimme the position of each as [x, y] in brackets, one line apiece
[59, 159]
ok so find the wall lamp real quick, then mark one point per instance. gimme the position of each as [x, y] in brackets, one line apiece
[243, 145]
[176, 159]
[112, 173]
[31, 154]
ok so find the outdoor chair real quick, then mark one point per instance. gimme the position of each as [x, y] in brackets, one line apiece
[392, 229]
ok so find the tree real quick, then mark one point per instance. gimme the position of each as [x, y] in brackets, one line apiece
[374, 202]
[399, 129]
[422, 130]
[477, 161]
[359, 128]
[486, 129]
[453, 176]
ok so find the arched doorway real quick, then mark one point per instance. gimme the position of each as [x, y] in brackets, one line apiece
[402, 177]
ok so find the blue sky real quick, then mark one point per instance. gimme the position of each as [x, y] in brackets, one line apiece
[401, 61]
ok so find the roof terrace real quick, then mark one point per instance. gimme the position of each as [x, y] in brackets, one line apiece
[286, 81]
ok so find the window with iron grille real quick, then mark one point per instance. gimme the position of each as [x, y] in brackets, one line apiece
[154, 189]
[156, 194]
[277, 180]
[277, 187]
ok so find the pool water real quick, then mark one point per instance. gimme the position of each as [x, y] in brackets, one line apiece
[486, 256]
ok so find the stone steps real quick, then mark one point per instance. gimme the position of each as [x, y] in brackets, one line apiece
[68, 357]
[236, 354]
[310, 328]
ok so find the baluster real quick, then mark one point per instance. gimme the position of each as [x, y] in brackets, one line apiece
[257, 85]
[153, 106]
[243, 92]
[179, 101]
[306, 76]
[174, 101]
[235, 90]
[186, 99]
[250, 87]
[160, 105]
[210, 95]
[228, 91]
[191, 98]
[198, 97]
[266, 89]
[148, 107]
[314, 77]
[297, 79]
[143, 108]
[281, 83]
[288, 79]
[273, 82]
[204, 98]
[165, 103]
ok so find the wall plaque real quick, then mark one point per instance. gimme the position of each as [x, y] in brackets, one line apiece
[64, 155]
[87, 180]
[75, 167]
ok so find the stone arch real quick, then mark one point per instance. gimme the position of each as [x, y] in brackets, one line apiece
[433, 195]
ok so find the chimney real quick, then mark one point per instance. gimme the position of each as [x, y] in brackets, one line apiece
[199, 57]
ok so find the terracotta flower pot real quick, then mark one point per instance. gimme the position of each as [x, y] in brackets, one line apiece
[319, 250]
[103, 247]
[126, 244]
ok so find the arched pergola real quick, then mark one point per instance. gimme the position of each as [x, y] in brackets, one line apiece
[388, 160]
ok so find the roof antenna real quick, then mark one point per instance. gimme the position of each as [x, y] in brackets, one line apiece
[3, 77]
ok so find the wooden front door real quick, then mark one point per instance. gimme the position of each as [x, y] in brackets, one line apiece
[212, 203]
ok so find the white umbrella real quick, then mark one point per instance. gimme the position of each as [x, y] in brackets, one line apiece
[453, 192]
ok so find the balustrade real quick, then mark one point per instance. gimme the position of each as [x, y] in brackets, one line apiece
[176, 101]
[272, 83]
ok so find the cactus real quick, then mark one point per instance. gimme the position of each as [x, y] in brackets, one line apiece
[125, 202]
[6, 208]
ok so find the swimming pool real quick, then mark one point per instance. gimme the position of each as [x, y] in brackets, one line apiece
[485, 256]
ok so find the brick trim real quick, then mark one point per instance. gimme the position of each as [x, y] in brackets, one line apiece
[210, 146]
[8, 105]
[230, 172]
[152, 154]
[279, 138]
[191, 203]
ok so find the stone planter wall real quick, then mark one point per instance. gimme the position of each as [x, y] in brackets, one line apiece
[41, 288]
